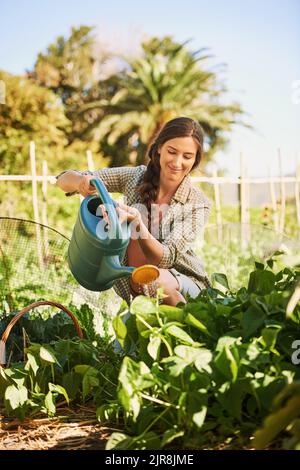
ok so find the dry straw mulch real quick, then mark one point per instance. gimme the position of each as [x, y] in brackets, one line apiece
[79, 430]
[72, 430]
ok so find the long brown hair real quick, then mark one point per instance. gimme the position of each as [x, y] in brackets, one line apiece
[178, 127]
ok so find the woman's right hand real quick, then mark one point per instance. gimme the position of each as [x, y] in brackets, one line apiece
[84, 186]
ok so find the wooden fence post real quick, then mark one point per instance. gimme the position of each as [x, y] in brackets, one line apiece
[35, 202]
[242, 190]
[274, 201]
[44, 206]
[90, 161]
[218, 205]
[243, 204]
[282, 194]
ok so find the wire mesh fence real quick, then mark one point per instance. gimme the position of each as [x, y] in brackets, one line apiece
[34, 266]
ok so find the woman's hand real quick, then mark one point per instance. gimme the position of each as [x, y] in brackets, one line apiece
[84, 186]
[125, 213]
[129, 214]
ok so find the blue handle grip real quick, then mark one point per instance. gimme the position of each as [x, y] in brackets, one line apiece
[110, 206]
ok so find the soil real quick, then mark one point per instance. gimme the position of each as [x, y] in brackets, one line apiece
[73, 430]
[78, 429]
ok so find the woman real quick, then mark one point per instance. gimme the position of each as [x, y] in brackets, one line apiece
[166, 211]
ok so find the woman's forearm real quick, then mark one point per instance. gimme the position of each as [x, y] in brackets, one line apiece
[69, 181]
[152, 248]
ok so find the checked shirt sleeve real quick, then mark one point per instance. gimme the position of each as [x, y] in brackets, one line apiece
[115, 179]
[187, 226]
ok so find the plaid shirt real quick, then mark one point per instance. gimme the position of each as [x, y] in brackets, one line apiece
[177, 243]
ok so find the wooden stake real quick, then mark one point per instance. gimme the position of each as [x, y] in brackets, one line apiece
[35, 202]
[282, 194]
[218, 205]
[274, 202]
[243, 204]
[242, 190]
[44, 207]
[90, 161]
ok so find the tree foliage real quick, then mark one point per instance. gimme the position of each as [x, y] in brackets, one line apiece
[72, 101]
[166, 81]
[30, 112]
[73, 68]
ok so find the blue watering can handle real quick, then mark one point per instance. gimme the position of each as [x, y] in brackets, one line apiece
[109, 206]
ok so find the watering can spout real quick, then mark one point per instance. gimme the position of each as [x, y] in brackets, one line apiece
[111, 269]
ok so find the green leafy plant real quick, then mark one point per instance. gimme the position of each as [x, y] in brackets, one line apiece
[215, 363]
[192, 376]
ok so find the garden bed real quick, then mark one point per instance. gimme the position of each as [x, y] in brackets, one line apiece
[219, 372]
[76, 429]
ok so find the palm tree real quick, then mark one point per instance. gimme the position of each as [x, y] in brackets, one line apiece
[166, 81]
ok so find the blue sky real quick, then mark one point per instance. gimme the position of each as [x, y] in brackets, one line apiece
[258, 40]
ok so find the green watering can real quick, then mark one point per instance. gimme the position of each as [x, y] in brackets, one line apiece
[96, 251]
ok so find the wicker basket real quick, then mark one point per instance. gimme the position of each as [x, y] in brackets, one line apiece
[21, 313]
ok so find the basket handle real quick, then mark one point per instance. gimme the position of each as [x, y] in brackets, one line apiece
[25, 310]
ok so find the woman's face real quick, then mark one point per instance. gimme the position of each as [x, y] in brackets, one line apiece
[177, 157]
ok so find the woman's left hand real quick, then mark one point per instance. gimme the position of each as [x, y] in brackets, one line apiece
[125, 213]
[129, 214]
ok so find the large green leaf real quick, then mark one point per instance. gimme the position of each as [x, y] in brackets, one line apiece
[32, 363]
[120, 329]
[193, 321]
[199, 417]
[175, 365]
[269, 337]
[231, 397]
[179, 334]
[133, 377]
[252, 320]
[71, 382]
[47, 354]
[200, 357]
[221, 278]
[227, 364]
[16, 396]
[90, 381]
[50, 404]
[154, 345]
[59, 390]
[143, 306]
[120, 441]
[171, 313]
[261, 282]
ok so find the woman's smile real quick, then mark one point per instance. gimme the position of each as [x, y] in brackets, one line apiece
[175, 170]
[177, 157]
